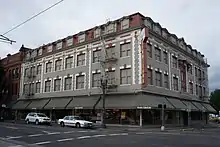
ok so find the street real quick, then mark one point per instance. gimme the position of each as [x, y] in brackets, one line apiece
[23, 135]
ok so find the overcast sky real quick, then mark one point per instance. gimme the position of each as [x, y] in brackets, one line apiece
[198, 21]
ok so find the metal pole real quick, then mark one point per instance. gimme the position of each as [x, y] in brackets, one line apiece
[162, 127]
[103, 97]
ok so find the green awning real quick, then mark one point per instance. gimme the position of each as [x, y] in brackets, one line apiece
[21, 104]
[57, 103]
[37, 104]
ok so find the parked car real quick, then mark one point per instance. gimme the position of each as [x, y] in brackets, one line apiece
[75, 121]
[37, 118]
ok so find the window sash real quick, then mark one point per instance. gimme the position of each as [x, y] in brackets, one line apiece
[175, 84]
[149, 50]
[96, 56]
[166, 81]
[57, 85]
[58, 65]
[80, 82]
[81, 60]
[125, 76]
[150, 77]
[157, 54]
[48, 67]
[158, 79]
[38, 87]
[68, 83]
[125, 49]
[47, 86]
[96, 80]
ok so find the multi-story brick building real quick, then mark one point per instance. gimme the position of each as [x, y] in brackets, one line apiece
[146, 66]
[10, 82]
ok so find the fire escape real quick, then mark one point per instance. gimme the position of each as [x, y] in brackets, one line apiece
[30, 76]
[184, 67]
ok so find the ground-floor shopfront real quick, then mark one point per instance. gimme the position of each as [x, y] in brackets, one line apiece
[138, 109]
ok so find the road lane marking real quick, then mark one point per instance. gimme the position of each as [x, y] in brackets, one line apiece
[46, 132]
[53, 133]
[35, 135]
[41, 143]
[11, 127]
[140, 133]
[83, 137]
[17, 146]
[68, 132]
[101, 135]
[15, 137]
[66, 139]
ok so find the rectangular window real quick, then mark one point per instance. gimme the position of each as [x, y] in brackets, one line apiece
[97, 33]
[47, 86]
[39, 69]
[80, 83]
[68, 83]
[32, 73]
[48, 67]
[32, 90]
[111, 78]
[59, 45]
[96, 56]
[174, 61]
[58, 65]
[199, 73]
[26, 88]
[70, 42]
[196, 72]
[175, 84]
[150, 76]
[189, 69]
[166, 81]
[110, 28]
[191, 88]
[149, 50]
[81, 38]
[125, 24]
[25, 72]
[204, 91]
[57, 84]
[158, 79]
[125, 50]
[157, 54]
[69, 62]
[200, 91]
[111, 52]
[125, 76]
[38, 87]
[197, 89]
[81, 59]
[50, 48]
[165, 57]
[96, 79]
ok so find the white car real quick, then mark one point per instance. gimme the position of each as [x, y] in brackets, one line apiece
[75, 121]
[37, 118]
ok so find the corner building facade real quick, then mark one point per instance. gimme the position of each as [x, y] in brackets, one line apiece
[146, 66]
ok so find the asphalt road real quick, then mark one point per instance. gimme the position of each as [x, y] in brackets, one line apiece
[22, 135]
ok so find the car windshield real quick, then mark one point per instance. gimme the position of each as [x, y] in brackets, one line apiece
[41, 115]
[78, 118]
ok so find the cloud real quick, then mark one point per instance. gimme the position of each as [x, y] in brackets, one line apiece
[197, 21]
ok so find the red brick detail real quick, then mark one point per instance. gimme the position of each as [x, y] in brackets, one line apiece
[119, 26]
[136, 20]
[89, 34]
[144, 59]
[75, 39]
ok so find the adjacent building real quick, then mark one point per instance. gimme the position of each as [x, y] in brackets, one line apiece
[10, 82]
[145, 65]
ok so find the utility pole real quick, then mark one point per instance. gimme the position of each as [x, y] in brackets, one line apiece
[162, 106]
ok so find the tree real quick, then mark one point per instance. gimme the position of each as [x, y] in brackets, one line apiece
[215, 99]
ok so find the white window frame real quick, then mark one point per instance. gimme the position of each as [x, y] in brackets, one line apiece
[44, 85]
[76, 75]
[69, 41]
[50, 48]
[72, 86]
[57, 78]
[125, 24]
[81, 38]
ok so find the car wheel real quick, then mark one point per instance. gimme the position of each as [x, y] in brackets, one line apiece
[78, 125]
[37, 122]
[27, 121]
[62, 124]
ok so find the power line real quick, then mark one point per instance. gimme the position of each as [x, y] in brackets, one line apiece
[33, 17]
[5, 39]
